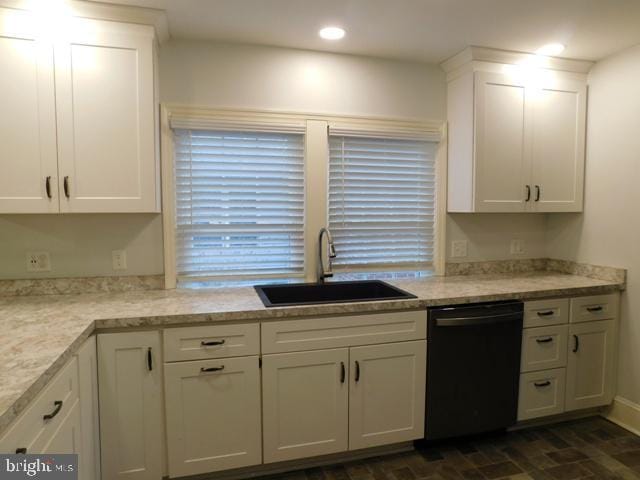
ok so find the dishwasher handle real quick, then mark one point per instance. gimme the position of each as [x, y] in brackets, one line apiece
[483, 320]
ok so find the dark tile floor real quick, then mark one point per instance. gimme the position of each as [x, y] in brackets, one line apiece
[588, 448]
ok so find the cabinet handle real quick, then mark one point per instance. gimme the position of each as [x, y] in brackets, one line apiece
[47, 186]
[544, 340]
[212, 369]
[149, 359]
[528, 194]
[343, 372]
[594, 309]
[357, 371]
[65, 184]
[211, 343]
[21, 451]
[542, 384]
[576, 343]
[56, 410]
[537, 193]
[546, 313]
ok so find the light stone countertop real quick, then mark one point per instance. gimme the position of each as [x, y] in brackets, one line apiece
[40, 333]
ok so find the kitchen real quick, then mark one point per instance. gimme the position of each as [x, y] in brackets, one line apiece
[164, 164]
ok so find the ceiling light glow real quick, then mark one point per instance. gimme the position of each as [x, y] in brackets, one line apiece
[550, 49]
[332, 33]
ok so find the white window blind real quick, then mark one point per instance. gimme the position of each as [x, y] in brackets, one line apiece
[382, 202]
[239, 205]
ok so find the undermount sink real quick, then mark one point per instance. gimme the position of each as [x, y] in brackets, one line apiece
[284, 295]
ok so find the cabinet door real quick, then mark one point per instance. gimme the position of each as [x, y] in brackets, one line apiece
[213, 415]
[387, 393]
[88, 392]
[28, 154]
[502, 164]
[559, 113]
[590, 366]
[305, 404]
[130, 391]
[105, 107]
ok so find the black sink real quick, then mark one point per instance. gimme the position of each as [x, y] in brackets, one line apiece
[284, 295]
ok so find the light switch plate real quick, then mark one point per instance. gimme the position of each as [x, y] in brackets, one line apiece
[459, 248]
[119, 259]
[38, 262]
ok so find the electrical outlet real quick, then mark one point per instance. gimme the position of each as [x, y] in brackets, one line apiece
[517, 247]
[459, 248]
[38, 262]
[119, 259]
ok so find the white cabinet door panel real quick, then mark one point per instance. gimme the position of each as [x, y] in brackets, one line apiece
[28, 153]
[305, 404]
[213, 417]
[130, 387]
[558, 146]
[387, 393]
[106, 133]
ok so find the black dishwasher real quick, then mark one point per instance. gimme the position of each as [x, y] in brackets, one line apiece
[473, 368]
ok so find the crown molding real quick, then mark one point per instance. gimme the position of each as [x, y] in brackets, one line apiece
[109, 12]
[483, 54]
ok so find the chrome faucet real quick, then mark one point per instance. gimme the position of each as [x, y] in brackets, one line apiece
[322, 273]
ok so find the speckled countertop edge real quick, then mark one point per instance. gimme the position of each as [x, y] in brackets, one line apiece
[63, 309]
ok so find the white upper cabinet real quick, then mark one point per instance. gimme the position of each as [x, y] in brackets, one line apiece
[516, 132]
[28, 161]
[105, 105]
[77, 132]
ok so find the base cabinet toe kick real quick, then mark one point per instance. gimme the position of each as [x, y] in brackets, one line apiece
[184, 401]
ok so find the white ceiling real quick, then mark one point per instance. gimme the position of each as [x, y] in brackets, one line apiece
[424, 30]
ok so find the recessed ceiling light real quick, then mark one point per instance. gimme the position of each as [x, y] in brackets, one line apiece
[550, 49]
[332, 33]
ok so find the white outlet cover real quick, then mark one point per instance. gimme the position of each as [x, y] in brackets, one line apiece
[517, 247]
[119, 259]
[38, 262]
[459, 248]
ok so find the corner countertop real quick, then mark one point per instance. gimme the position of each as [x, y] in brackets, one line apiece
[40, 333]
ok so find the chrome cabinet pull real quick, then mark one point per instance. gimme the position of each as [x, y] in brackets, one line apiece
[56, 410]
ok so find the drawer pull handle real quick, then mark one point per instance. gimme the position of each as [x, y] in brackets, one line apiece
[343, 372]
[576, 343]
[211, 343]
[357, 371]
[542, 384]
[212, 369]
[544, 340]
[546, 313]
[21, 451]
[49, 416]
[594, 309]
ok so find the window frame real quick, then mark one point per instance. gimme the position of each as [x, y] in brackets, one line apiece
[316, 130]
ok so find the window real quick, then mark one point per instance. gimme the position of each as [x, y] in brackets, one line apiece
[381, 203]
[239, 205]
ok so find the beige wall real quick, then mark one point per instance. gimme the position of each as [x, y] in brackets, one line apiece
[608, 233]
[237, 76]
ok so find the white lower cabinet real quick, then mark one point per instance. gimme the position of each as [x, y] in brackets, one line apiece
[387, 394]
[590, 367]
[89, 461]
[305, 404]
[68, 436]
[131, 421]
[541, 393]
[213, 415]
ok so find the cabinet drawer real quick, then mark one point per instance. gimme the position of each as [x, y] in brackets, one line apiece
[541, 394]
[597, 307]
[32, 430]
[544, 348]
[346, 331]
[212, 341]
[542, 313]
